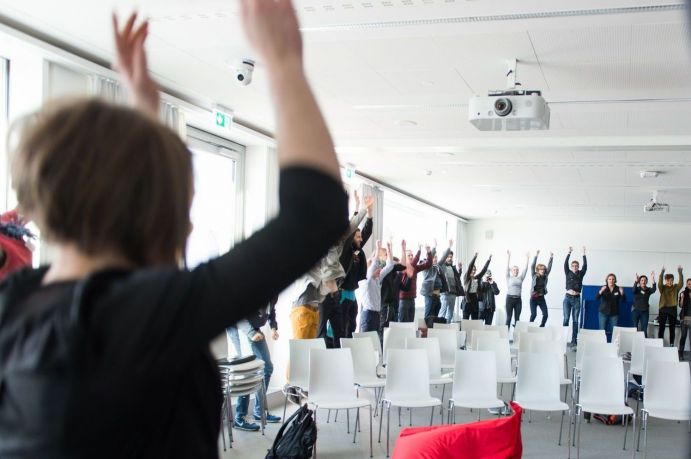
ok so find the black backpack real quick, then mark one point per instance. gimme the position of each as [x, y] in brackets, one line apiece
[297, 437]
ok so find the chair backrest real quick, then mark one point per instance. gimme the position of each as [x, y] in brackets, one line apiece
[551, 347]
[364, 360]
[521, 326]
[331, 375]
[431, 346]
[582, 340]
[638, 352]
[539, 330]
[451, 326]
[407, 374]
[669, 388]
[469, 326]
[500, 318]
[527, 338]
[372, 336]
[394, 338]
[537, 378]
[588, 331]
[658, 354]
[448, 344]
[595, 349]
[626, 339]
[475, 375]
[503, 331]
[502, 352]
[602, 382]
[559, 333]
[617, 330]
[411, 325]
[484, 334]
[299, 363]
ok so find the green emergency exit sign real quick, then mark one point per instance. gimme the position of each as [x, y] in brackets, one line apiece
[222, 119]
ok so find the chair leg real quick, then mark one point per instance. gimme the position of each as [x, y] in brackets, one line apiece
[371, 454]
[263, 407]
[231, 417]
[569, 439]
[626, 430]
[381, 419]
[530, 416]
[399, 416]
[578, 435]
[645, 437]
[431, 418]
[561, 428]
[336, 416]
[478, 414]
[388, 424]
[316, 408]
[441, 407]
[348, 419]
[285, 405]
[357, 418]
[410, 417]
[328, 416]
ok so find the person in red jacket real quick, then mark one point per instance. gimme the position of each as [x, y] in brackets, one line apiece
[406, 307]
[15, 251]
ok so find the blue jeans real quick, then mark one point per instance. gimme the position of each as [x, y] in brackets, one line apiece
[261, 351]
[369, 320]
[542, 304]
[572, 309]
[640, 320]
[448, 304]
[406, 310]
[432, 305]
[607, 322]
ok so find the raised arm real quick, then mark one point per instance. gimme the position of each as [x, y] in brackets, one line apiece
[525, 268]
[508, 264]
[549, 264]
[469, 268]
[661, 281]
[680, 271]
[427, 263]
[585, 264]
[566, 261]
[484, 268]
[534, 263]
[367, 228]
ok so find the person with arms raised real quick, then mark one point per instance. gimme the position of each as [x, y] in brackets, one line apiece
[105, 353]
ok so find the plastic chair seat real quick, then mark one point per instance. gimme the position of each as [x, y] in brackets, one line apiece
[507, 380]
[413, 402]
[341, 404]
[672, 413]
[606, 408]
[477, 403]
[373, 382]
[542, 405]
[440, 380]
[247, 366]
[565, 382]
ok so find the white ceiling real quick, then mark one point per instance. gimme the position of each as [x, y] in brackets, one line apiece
[619, 87]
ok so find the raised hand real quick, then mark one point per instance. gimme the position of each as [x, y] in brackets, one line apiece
[570, 249]
[551, 254]
[602, 289]
[583, 250]
[356, 198]
[274, 334]
[131, 64]
[679, 268]
[272, 30]
[652, 275]
[428, 249]
[527, 254]
[378, 244]
[477, 253]
[508, 252]
[369, 202]
[450, 243]
[434, 241]
[537, 252]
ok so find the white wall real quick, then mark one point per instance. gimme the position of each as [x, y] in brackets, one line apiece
[622, 248]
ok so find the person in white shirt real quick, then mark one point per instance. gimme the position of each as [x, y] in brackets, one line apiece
[371, 289]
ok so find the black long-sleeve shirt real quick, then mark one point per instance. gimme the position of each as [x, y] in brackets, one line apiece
[145, 383]
[574, 281]
[610, 300]
[353, 259]
[641, 298]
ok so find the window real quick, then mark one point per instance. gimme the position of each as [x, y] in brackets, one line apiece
[216, 212]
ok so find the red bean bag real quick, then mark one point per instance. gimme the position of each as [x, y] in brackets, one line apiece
[17, 255]
[491, 439]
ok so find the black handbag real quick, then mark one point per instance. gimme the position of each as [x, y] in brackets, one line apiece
[296, 438]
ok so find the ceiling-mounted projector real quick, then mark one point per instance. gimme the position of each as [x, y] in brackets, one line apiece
[509, 110]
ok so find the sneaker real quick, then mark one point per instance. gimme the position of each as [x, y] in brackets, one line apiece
[270, 418]
[243, 424]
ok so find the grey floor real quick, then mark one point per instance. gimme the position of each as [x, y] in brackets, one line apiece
[666, 439]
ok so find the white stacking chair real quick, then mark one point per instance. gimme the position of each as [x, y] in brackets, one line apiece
[617, 331]
[364, 366]
[331, 383]
[449, 343]
[503, 331]
[500, 318]
[582, 342]
[667, 395]
[660, 354]
[602, 391]
[527, 339]
[502, 352]
[474, 382]
[299, 367]
[469, 326]
[554, 348]
[376, 342]
[589, 331]
[638, 355]
[452, 326]
[407, 385]
[492, 334]
[410, 325]
[394, 338]
[521, 327]
[590, 349]
[537, 387]
[543, 330]
[431, 346]
[626, 340]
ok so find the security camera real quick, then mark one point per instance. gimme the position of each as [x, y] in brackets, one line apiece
[243, 72]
